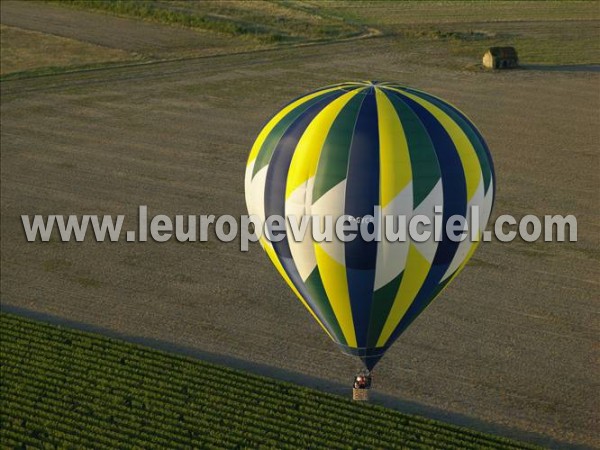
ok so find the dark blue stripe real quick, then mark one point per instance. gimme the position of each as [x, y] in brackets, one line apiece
[275, 186]
[464, 121]
[362, 194]
[455, 202]
[369, 356]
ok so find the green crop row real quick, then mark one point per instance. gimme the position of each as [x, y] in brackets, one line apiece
[62, 387]
[440, 431]
[336, 416]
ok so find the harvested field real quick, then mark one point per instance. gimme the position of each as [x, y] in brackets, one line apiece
[24, 50]
[511, 347]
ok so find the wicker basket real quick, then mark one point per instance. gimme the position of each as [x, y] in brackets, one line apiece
[360, 394]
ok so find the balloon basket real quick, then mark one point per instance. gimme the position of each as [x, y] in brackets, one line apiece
[360, 395]
[361, 386]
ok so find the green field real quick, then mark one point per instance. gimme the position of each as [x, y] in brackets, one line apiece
[263, 21]
[68, 388]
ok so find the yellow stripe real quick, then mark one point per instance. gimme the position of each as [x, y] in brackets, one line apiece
[395, 169]
[417, 268]
[387, 331]
[275, 120]
[466, 152]
[275, 260]
[333, 275]
[306, 155]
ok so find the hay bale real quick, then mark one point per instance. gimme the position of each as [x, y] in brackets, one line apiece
[501, 58]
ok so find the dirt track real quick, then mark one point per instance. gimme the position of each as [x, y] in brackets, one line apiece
[512, 342]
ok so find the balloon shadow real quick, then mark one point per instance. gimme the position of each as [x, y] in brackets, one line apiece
[379, 398]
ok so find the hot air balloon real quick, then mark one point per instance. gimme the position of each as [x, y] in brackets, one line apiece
[344, 150]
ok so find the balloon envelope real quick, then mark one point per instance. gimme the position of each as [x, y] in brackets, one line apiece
[345, 150]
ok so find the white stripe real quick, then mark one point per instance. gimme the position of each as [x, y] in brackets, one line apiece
[486, 211]
[391, 256]
[298, 204]
[435, 198]
[255, 191]
[332, 203]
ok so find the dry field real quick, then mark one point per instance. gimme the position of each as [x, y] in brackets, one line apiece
[32, 33]
[24, 50]
[511, 346]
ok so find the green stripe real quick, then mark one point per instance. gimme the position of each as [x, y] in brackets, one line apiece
[271, 141]
[468, 130]
[333, 160]
[423, 159]
[315, 287]
[383, 299]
